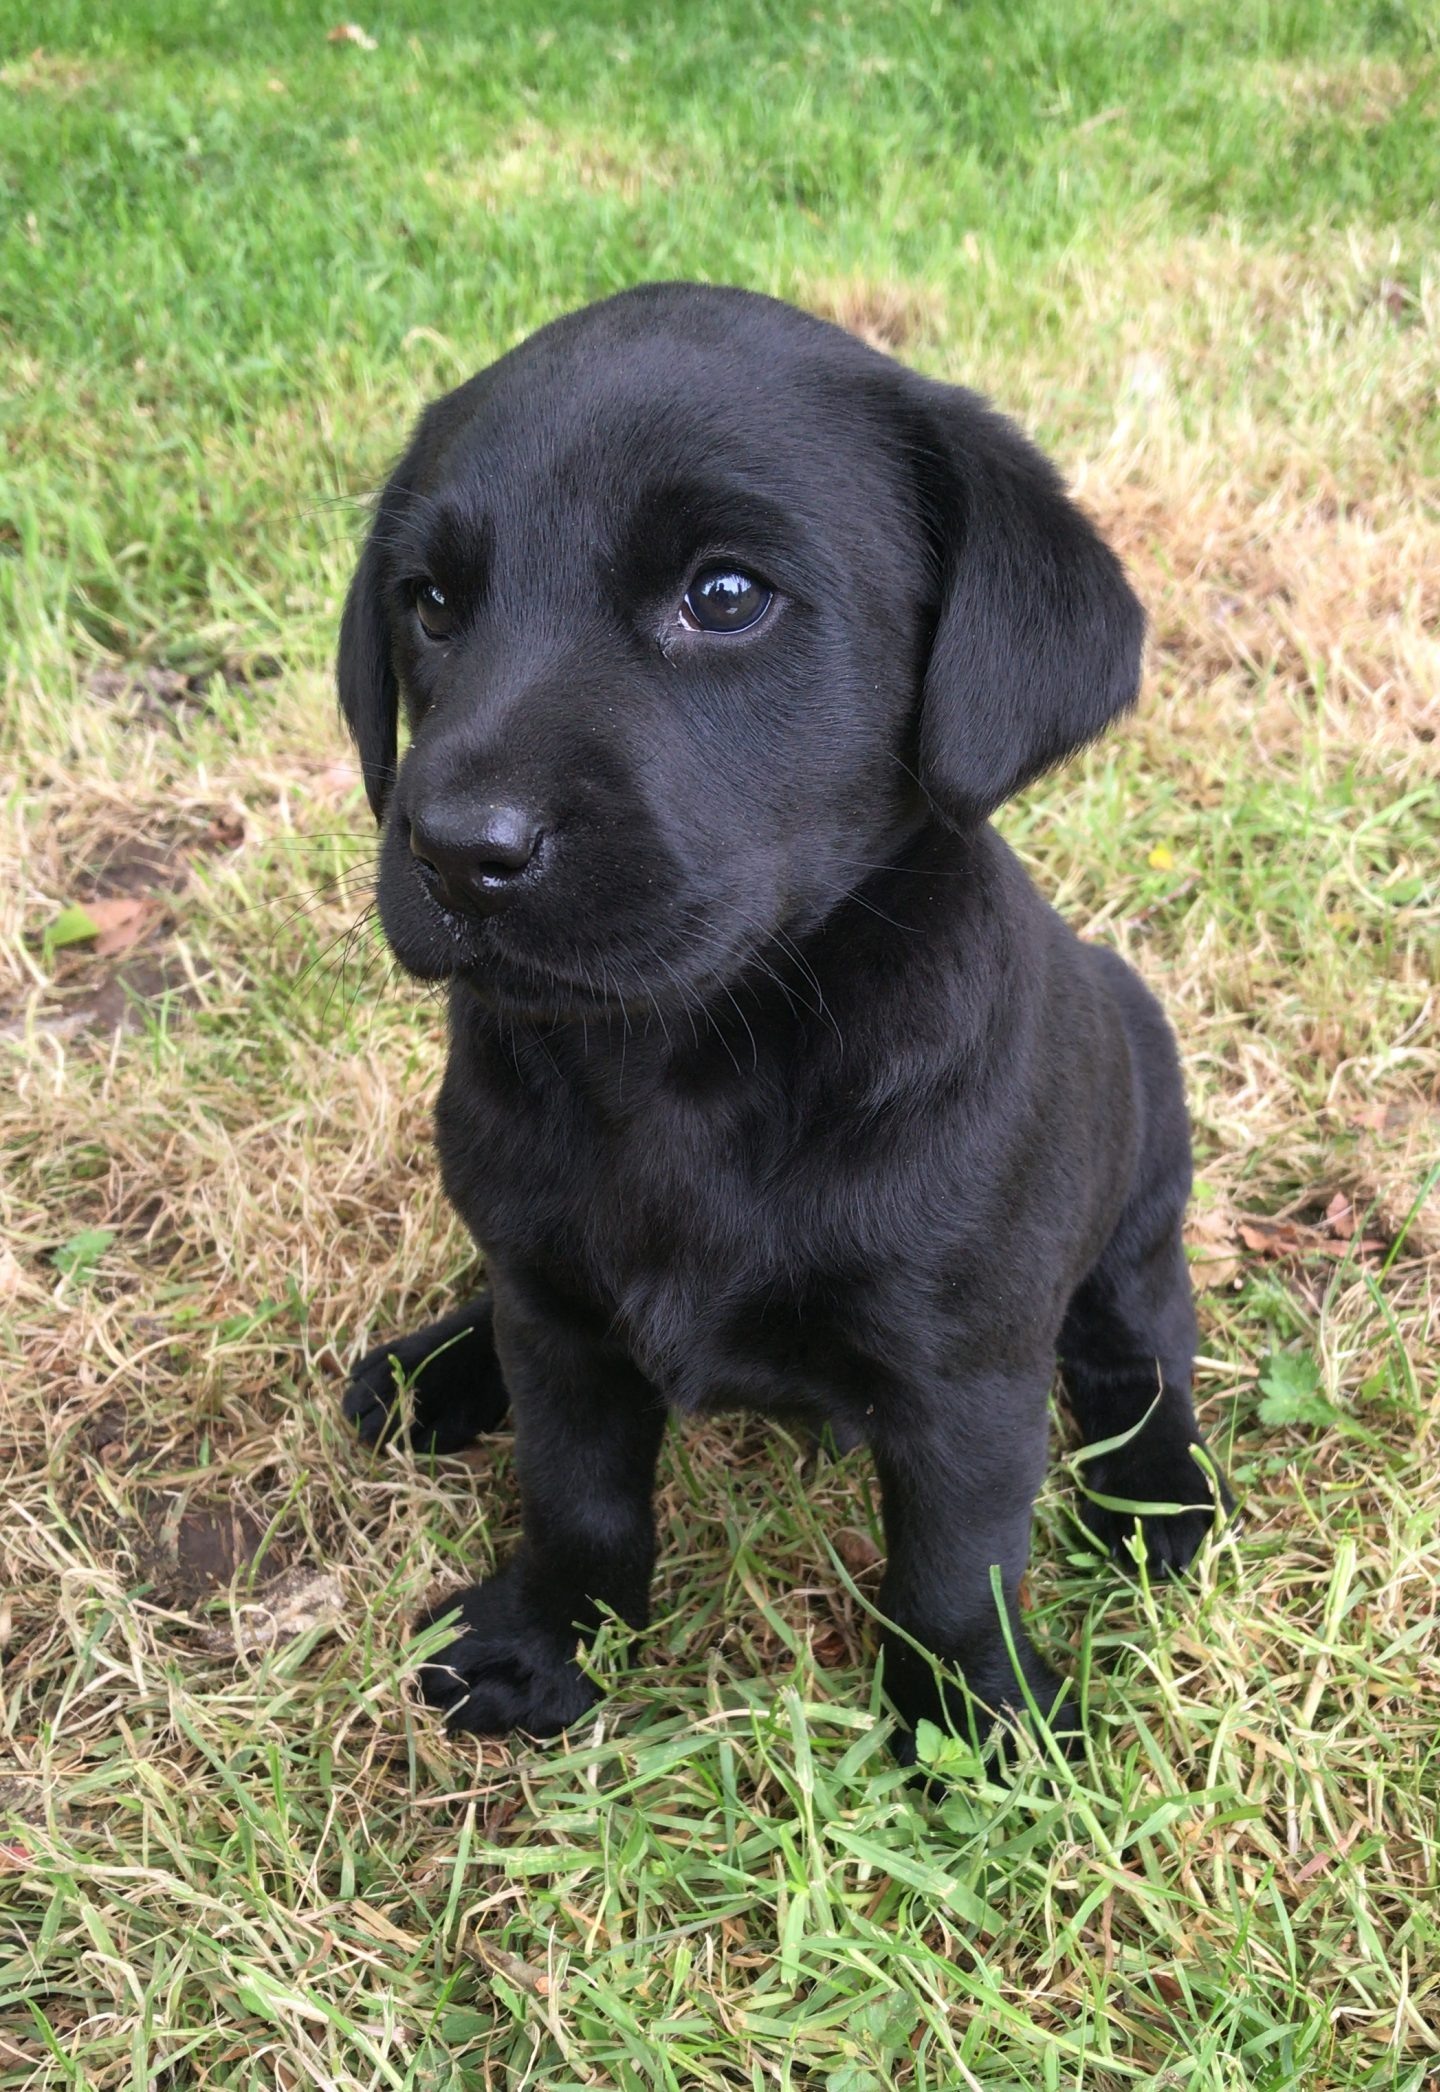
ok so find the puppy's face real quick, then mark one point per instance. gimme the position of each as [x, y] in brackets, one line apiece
[664, 596]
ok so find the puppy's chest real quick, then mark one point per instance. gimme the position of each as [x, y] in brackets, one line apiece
[706, 1241]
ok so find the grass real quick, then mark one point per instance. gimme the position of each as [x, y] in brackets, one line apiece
[1194, 250]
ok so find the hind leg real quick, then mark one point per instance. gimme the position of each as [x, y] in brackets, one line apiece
[1127, 1349]
[452, 1374]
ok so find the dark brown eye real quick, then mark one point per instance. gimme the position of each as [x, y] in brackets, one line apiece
[725, 599]
[433, 611]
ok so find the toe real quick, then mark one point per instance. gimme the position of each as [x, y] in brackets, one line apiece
[505, 1669]
[367, 1410]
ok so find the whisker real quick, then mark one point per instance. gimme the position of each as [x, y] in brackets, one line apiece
[358, 930]
[367, 915]
[907, 929]
[924, 790]
[322, 842]
[328, 891]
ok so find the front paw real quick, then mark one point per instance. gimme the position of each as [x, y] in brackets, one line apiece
[508, 1667]
[993, 1697]
[1140, 1475]
[453, 1393]
[375, 1402]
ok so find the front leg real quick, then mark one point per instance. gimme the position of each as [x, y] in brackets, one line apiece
[959, 1473]
[587, 1432]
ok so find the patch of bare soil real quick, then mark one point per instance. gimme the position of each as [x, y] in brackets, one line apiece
[100, 1003]
[190, 1553]
[161, 695]
[127, 881]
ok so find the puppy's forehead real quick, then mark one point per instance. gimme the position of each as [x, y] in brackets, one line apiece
[590, 415]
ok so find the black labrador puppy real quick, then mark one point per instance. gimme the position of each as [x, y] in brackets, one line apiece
[772, 1081]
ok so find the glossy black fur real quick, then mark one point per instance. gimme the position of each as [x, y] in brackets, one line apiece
[776, 1085]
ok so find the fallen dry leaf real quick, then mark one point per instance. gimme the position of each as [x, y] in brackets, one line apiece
[829, 1649]
[1319, 1861]
[1214, 1258]
[1273, 1238]
[1340, 1217]
[511, 1967]
[122, 922]
[856, 1550]
[352, 33]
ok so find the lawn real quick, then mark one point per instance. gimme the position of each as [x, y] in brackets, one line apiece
[1193, 248]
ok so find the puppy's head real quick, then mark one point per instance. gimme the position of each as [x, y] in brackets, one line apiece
[698, 610]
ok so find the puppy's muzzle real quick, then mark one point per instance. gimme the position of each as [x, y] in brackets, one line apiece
[477, 859]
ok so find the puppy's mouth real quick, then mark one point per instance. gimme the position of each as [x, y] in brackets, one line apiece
[663, 972]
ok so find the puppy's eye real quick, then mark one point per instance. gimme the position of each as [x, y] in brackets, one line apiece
[724, 599]
[434, 612]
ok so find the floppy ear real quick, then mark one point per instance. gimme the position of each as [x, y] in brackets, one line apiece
[1038, 639]
[365, 673]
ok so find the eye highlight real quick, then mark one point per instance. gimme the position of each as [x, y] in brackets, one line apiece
[724, 599]
[436, 614]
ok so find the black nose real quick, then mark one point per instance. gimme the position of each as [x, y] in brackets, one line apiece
[479, 854]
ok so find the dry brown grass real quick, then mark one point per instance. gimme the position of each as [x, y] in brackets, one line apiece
[895, 317]
[268, 1148]
[227, 1820]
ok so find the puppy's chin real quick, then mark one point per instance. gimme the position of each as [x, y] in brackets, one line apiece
[434, 944]
[515, 985]
[527, 993]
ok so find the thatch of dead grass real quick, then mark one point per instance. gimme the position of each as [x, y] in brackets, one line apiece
[232, 1849]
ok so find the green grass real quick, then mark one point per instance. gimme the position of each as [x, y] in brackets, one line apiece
[1194, 249]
